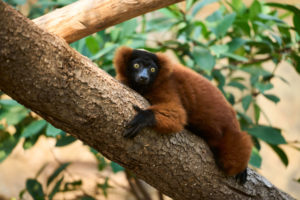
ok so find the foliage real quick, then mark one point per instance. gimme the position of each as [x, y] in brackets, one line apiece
[228, 47]
[35, 188]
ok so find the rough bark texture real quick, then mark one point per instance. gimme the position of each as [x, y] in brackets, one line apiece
[83, 18]
[42, 72]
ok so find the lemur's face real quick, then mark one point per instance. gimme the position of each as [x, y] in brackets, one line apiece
[142, 69]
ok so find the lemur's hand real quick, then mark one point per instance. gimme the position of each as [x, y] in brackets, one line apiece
[141, 120]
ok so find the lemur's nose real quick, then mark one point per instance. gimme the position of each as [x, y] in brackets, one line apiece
[143, 78]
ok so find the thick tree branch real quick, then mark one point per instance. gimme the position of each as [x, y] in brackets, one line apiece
[83, 18]
[42, 72]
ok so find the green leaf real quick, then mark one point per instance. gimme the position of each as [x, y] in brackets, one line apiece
[35, 189]
[256, 112]
[104, 186]
[235, 57]
[261, 46]
[221, 29]
[13, 114]
[256, 143]
[33, 128]
[104, 51]
[19, 2]
[246, 101]
[237, 78]
[272, 97]
[284, 6]
[204, 59]
[219, 49]
[237, 85]
[254, 78]
[270, 18]
[160, 23]
[245, 118]
[268, 134]
[243, 26]
[170, 13]
[85, 197]
[51, 131]
[282, 155]
[65, 140]
[13, 118]
[189, 4]
[9, 102]
[277, 38]
[262, 87]
[199, 5]
[295, 10]
[128, 28]
[21, 193]
[7, 144]
[215, 17]
[235, 43]
[255, 159]
[285, 33]
[102, 163]
[296, 61]
[255, 9]
[230, 98]
[116, 167]
[238, 5]
[71, 186]
[92, 44]
[30, 141]
[57, 172]
[114, 34]
[197, 32]
[56, 188]
[296, 20]
[220, 78]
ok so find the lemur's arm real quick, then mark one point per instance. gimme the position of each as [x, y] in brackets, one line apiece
[165, 115]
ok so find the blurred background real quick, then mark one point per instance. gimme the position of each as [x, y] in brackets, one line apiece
[248, 49]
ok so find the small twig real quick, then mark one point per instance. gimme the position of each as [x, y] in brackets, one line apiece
[266, 116]
[66, 170]
[293, 142]
[252, 61]
[258, 60]
[114, 182]
[139, 184]
[160, 195]
[133, 188]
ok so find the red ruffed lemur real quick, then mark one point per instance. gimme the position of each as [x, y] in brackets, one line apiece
[181, 98]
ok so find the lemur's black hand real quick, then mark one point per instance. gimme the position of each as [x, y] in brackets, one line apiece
[141, 120]
[242, 177]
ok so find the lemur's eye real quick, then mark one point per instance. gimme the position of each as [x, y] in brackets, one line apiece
[136, 66]
[152, 69]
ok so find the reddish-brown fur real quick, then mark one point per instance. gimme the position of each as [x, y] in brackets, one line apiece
[180, 97]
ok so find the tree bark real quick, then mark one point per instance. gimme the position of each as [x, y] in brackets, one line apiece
[83, 18]
[42, 72]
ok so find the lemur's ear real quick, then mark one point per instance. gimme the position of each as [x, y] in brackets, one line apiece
[166, 67]
[121, 59]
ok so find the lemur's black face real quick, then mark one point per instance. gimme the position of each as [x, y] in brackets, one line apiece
[142, 69]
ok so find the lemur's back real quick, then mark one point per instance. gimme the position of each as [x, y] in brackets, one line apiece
[199, 95]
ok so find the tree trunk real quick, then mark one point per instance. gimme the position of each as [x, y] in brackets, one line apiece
[42, 72]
